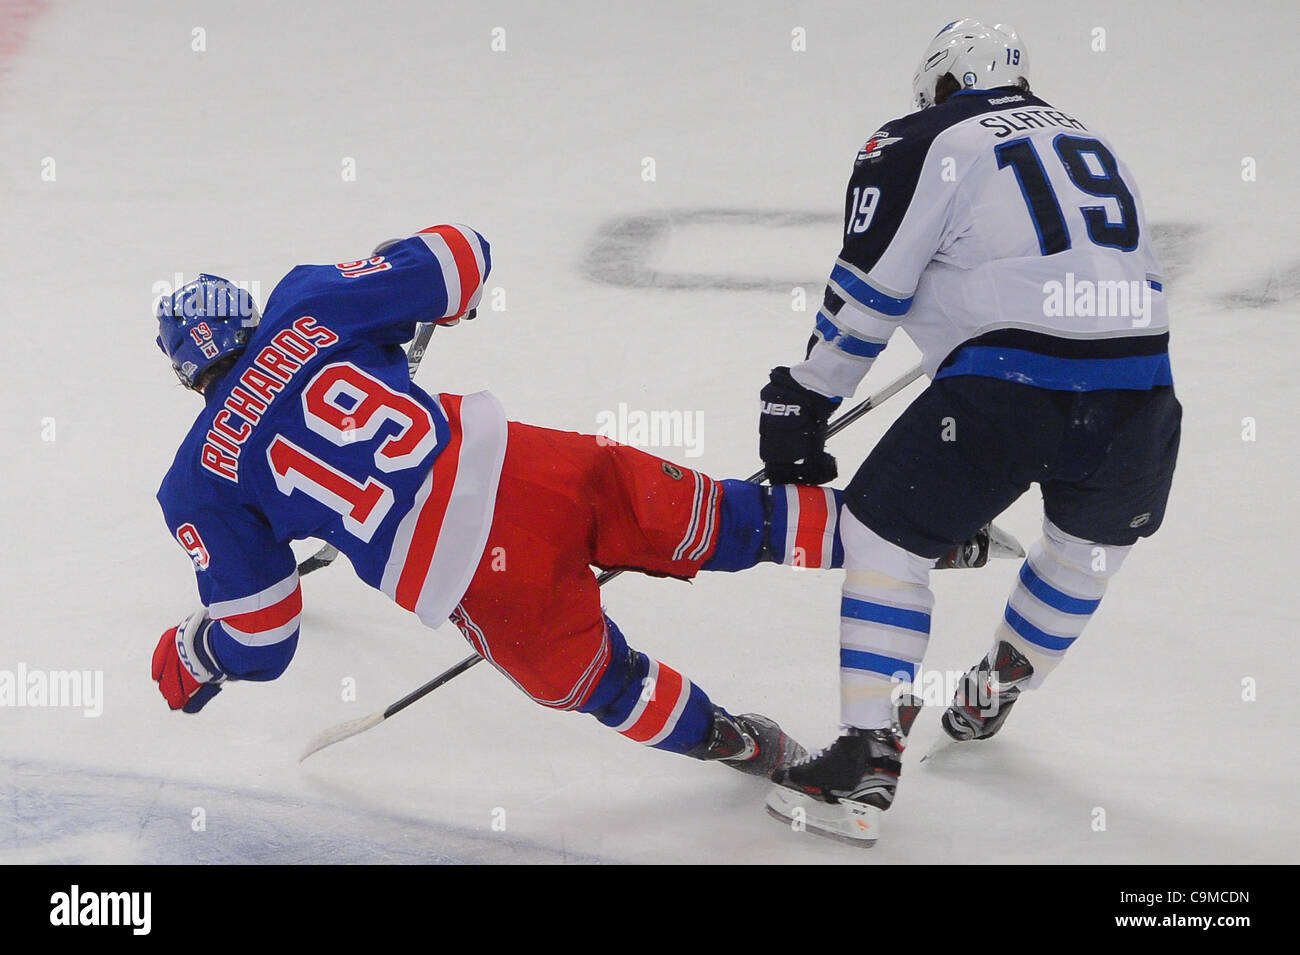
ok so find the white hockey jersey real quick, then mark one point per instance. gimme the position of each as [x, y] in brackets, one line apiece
[1007, 240]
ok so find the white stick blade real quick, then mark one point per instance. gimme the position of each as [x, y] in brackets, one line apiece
[340, 732]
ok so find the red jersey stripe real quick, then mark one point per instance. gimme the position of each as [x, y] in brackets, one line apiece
[429, 524]
[268, 618]
[466, 264]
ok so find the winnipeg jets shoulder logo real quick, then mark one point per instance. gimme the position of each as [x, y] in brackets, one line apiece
[872, 148]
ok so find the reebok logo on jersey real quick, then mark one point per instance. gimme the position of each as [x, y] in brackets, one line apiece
[778, 410]
[872, 147]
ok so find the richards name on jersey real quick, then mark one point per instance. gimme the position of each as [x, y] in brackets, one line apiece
[272, 369]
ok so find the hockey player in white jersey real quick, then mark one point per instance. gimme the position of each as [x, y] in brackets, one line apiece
[1008, 240]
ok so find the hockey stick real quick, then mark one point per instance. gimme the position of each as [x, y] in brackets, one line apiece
[327, 554]
[342, 731]
[353, 727]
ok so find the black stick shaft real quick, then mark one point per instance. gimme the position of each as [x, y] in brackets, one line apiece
[433, 684]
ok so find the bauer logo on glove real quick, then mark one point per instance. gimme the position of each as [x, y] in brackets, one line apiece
[792, 431]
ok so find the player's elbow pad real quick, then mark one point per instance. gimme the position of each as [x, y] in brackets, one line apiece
[244, 662]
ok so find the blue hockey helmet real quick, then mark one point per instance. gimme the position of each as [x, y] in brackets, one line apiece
[202, 322]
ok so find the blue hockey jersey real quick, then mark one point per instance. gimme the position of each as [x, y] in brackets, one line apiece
[1008, 240]
[318, 431]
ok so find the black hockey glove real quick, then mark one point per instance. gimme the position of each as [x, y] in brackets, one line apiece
[792, 432]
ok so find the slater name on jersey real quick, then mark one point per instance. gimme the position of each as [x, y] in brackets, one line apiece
[269, 373]
[1005, 123]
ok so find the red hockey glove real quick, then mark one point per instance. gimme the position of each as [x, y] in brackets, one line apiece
[184, 668]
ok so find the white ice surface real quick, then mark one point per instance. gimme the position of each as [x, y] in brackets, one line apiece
[230, 160]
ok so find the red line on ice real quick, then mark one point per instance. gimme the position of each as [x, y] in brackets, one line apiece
[16, 19]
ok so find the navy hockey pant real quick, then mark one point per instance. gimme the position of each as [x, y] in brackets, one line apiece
[955, 459]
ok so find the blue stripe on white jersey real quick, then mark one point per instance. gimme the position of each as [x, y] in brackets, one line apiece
[1137, 372]
[852, 285]
[846, 342]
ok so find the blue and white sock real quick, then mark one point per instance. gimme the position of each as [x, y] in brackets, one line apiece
[884, 623]
[1060, 585]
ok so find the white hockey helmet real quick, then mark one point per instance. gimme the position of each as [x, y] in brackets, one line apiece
[978, 57]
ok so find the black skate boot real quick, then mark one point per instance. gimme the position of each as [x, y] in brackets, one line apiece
[971, 553]
[842, 791]
[751, 743]
[984, 698]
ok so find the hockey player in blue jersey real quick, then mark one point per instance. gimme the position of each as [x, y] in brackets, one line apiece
[1008, 240]
[313, 428]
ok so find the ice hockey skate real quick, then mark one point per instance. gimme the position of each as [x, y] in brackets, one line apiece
[984, 698]
[751, 743]
[990, 542]
[842, 792]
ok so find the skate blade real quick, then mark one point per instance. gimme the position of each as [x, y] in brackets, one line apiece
[852, 823]
[1003, 545]
[942, 745]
